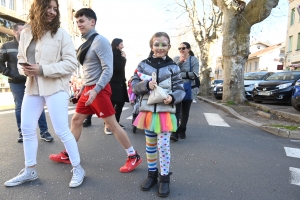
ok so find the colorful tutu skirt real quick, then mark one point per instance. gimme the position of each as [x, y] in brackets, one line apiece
[156, 122]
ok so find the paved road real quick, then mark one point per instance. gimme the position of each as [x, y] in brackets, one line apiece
[222, 158]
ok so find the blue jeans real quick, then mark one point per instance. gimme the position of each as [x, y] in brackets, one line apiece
[18, 94]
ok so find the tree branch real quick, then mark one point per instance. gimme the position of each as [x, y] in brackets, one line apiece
[258, 10]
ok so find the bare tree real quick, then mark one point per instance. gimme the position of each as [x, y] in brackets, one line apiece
[239, 17]
[206, 31]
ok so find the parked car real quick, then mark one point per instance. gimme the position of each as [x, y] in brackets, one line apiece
[276, 88]
[250, 79]
[296, 96]
[218, 91]
[216, 82]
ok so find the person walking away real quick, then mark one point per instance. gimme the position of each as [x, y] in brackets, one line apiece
[97, 65]
[118, 81]
[158, 119]
[189, 66]
[8, 67]
[48, 59]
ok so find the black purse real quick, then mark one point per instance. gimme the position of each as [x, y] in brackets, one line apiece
[197, 81]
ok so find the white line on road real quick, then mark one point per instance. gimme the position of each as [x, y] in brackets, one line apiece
[215, 120]
[71, 112]
[125, 108]
[295, 140]
[7, 112]
[12, 111]
[292, 152]
[295, 176]
[129, 117]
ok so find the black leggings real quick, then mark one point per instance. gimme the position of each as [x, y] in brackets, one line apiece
[183, 112]
[118, 106]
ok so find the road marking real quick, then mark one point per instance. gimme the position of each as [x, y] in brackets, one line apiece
[292, 152]
[13, 111]
[7, 112]
[215, 120]
[125, 108]
[71, 112]
[295, 176]
[295, 140]
[130, 117]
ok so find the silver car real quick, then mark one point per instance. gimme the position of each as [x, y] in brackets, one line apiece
[251, 78]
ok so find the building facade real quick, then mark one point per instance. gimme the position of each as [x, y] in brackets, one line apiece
[292, 57]
[14, 11]
[268, 58]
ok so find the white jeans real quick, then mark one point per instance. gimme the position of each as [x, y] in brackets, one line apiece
[32, 108]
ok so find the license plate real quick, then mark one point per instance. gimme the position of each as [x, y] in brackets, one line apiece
[219, 92]
[264, 93]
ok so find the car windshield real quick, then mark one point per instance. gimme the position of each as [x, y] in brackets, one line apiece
[284, 76]
[254, 76]
[218, 81]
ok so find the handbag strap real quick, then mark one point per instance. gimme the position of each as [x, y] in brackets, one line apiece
[83, 49]
[190, 59]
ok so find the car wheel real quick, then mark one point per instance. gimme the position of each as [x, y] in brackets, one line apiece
[297, 107]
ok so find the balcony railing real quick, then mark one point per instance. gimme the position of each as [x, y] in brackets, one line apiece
[295, 58]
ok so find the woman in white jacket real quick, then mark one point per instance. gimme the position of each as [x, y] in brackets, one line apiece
[47, 57]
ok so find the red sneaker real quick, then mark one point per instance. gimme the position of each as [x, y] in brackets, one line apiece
[131, 163]
[62, 157]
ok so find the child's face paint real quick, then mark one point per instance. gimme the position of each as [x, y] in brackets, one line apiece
[160, 46]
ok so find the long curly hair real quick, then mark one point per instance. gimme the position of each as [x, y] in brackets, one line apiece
[38, 17]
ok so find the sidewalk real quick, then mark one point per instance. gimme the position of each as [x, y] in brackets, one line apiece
[287, 113]
[6, 101]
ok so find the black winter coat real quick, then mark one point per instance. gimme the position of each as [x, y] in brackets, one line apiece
[9, 62]
[118, 80]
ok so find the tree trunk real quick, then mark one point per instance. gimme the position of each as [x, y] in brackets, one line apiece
[206, 62]
[237, 23]
[235, 51]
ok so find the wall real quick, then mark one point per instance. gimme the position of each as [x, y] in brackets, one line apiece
[293, 56]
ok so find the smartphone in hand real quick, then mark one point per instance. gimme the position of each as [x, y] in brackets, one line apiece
[25, 64]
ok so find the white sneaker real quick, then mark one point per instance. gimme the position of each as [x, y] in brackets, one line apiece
[107, 131]
[194, 101]
[78, 176]
[25, 175]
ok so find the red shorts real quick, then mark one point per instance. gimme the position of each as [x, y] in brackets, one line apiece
[101, 106]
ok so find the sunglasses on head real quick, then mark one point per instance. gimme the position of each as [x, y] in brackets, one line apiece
[181, 48]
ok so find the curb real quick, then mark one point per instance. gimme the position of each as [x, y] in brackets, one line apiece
[273, 130]
[290, 116]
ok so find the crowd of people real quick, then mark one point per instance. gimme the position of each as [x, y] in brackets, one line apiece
[40, 63]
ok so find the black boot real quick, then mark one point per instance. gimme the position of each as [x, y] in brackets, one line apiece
[150, 181]
[174, 136]
[163, 185]
[87, 122]
[182, 132]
